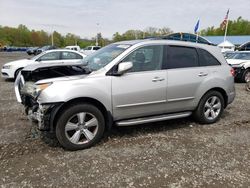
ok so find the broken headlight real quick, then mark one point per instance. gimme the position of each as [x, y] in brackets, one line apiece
[33, 89]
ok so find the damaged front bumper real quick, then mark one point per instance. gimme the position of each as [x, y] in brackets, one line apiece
[44, 115]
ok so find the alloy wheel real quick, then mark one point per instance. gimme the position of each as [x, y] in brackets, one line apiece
[81, 128]
[212, 108]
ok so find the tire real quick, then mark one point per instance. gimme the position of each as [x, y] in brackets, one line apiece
[80, 126]
[17, 72]
[210, 108]
[245, 76]
[248, 86]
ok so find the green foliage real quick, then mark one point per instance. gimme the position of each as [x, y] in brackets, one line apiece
[236, 27]
[138, 34]
[22, 36]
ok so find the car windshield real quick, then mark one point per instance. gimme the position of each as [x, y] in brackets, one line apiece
[245, 56]
[104, 56]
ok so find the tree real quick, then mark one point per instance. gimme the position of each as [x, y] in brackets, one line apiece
[239, 26]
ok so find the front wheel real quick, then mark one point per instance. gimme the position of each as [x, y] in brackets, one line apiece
[210, 108]
[17, 72]
[246, 76]
[248, 86]
[80, 126]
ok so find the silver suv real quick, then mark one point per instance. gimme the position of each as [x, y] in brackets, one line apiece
[130, 83]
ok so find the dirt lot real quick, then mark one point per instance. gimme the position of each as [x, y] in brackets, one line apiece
[177, 153]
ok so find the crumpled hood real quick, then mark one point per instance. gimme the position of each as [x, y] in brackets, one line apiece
[65, 78]
[44, 65]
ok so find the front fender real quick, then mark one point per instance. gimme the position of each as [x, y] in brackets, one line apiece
[63, 91]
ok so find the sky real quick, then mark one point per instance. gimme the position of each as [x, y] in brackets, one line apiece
[87, 17]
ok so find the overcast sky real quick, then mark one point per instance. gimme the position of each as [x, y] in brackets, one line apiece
[81, 16]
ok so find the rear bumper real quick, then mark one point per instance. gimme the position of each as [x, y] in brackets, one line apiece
[231, 97]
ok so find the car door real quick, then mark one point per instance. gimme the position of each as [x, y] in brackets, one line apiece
[50, 57]
[67, 56]
[141, 91]
[185, 77]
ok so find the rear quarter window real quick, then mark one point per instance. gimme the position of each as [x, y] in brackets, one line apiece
[207, 59]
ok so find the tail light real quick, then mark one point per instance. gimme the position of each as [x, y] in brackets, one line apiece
[232, 72]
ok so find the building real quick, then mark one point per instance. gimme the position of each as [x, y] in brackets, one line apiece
[236, 40]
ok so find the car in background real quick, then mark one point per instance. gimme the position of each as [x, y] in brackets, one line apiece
[32, 50]
[76, 48]
[228, 54]
[240, 61]
[44, 48]
[244, 47]
[11, 69]
[90, 49]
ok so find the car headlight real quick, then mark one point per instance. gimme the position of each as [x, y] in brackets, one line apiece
[6, 66]
[34, 89]
[40, 87]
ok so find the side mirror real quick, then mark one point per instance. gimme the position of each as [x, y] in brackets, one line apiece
[124, 67]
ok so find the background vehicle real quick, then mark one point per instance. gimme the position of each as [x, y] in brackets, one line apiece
[228, 54]
[129, 83]
[43, 49]
[76, 48]
[244, 47]
[32, 50]
[90, 49]
[11, 69]
[240, 61]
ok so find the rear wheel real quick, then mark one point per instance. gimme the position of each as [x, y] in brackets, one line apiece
[210, 108]
[80, 126]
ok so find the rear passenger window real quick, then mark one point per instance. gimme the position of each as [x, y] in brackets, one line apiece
[181, 57]
[206, 59]
[70, 55]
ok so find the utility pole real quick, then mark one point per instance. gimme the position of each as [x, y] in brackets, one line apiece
[52, 38]
[96, 40]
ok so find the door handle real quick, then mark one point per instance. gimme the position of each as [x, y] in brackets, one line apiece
[201, 74]
[157, 79]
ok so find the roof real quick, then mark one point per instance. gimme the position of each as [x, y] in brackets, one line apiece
[236, 40]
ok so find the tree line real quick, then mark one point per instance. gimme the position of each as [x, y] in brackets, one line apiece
[239, 26]
[22, 36]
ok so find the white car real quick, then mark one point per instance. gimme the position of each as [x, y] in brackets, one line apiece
[240, 61]
[76, 48]
[11, 69]
[90, 49]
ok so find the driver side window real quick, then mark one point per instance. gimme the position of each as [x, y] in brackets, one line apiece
[50, 56]
[147, 58]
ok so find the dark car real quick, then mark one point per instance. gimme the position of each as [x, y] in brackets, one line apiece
[44, 48]
[244, 47]
[32, 50]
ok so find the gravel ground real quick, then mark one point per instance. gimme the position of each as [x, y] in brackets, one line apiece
[177, 153]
